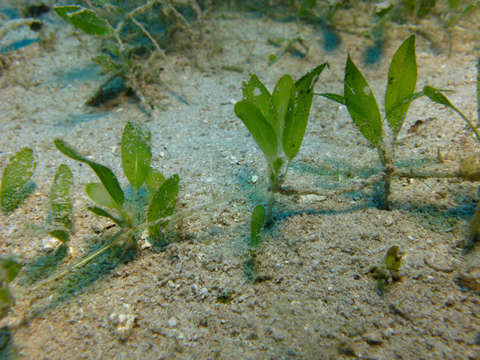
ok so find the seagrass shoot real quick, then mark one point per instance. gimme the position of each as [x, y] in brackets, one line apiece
[153, 197]
[277, 122]
[143, 209]
[364, 111]
[388, 271]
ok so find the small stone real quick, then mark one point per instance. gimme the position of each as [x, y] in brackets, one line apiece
[204, 292]
[50, 243]
[373, 338]
[172, 322]
[278, 335]
[254, 179]
[389, 221]
[311, 198]
[195, 289]
[388, 333]
[123, 324]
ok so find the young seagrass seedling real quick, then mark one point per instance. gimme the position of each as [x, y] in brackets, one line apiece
[149, 208]
[362, 105]
[131, 215]
[388, 271]
[277, 121]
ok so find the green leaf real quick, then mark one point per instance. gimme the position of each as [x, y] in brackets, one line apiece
[257, 223]
[296, 124]
[99, 194]
[163, 205]
[334, 97]
[154, 180]
[15, 177]
[425, 7]
[361, 103]
[61, 197]
[84, 19]
[436, 96]
[63, 11]
[106, 176]
[257, 94]
[453, 3]
[283, 100]
[261, 130]
[9, 269]
[402, 78]
[104, 213]
[136, 154]
[393, 259]
[61, 235]
[6, 300]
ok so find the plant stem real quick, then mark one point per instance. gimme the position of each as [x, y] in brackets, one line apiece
[274, 187]
[386, 159]
[387, 187]
[469, 122]
[478, 90]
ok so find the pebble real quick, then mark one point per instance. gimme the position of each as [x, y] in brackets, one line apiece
[373, 338]
[50, 243]
[311, 198]
[389, 221]
[388, 333]
[123, 324]
[172, 322]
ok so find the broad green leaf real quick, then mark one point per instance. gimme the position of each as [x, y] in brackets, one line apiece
[99, 194]
[402, 78]
[256, 225]
[361, 103]
[163, 204]
[334, 97]
[84, 19]
[9, 269]
[104, 213]
[106, 176]
[296, 124]
[260, 129]
[15, 177]
[61, 235]
[283, 99]
[256, 93]
[136, 154]
[154, 180]
[61, 197]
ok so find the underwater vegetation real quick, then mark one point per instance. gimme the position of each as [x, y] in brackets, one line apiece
[277, 121]
[268, 117]
[149, 208]
[387, 272]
